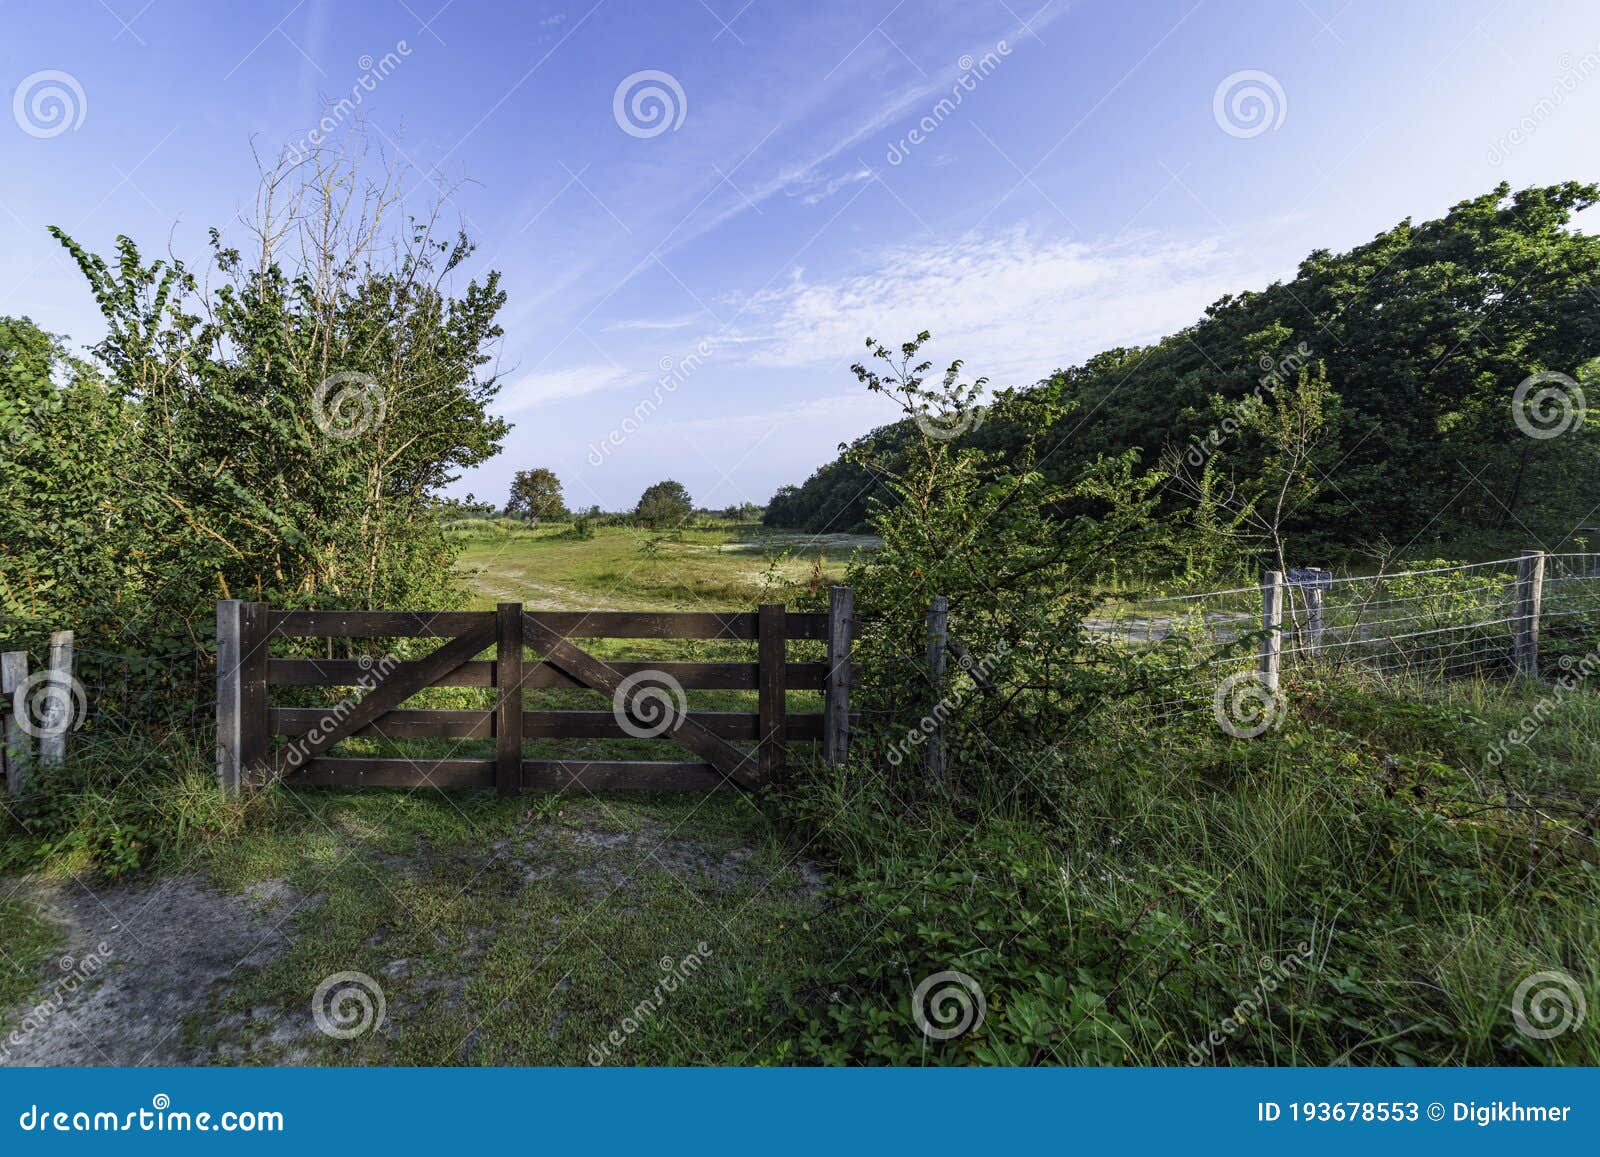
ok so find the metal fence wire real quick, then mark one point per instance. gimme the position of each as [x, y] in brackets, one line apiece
[1430, 624]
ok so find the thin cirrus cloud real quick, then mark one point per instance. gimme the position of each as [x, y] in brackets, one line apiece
[1014, 305]
[905, 104]
[650, 324]
[531, 391]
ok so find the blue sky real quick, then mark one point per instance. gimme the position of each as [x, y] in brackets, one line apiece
[1094, 185]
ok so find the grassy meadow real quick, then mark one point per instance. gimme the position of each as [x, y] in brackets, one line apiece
[712, 566]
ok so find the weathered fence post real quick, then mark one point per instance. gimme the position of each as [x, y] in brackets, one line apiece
[938, 642]
[230, 698]
[17, 750]
[836, 693]
[508, 699]
[1313, 592]
[60, 701]
[772, 698]
[1272, 624]
[242, 739]
[1530, 593]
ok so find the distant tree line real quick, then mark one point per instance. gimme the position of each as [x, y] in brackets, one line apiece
[536, 493]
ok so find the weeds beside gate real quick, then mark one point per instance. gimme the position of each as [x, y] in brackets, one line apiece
[648, 698]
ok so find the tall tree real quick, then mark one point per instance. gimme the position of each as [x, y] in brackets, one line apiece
[664, 504]
[287, 423]
[536, 494]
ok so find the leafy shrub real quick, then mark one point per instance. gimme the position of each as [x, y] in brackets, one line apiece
[1010, 551]
[121, 805]
[1342, 891]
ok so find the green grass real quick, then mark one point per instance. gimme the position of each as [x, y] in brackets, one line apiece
[501, 931]
[1118, 901]
[522, 931]
[28, 941]
[729, 567]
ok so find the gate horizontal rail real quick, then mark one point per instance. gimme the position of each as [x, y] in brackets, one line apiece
[569, 624]
[248, 724]
[730, 676]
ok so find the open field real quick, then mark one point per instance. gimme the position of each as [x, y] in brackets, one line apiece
[734, 566]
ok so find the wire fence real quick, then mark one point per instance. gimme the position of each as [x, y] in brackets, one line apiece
[1429, 624]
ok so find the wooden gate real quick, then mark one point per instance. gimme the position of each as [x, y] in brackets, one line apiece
[649, 699]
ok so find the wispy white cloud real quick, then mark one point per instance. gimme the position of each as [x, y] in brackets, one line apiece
[540, 389]
[653, 323]
[854, 412]
[910, 100]
[1014, 305]
[818, 189]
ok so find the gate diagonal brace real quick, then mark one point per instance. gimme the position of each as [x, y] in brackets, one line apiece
[383, 698]
[595, 673]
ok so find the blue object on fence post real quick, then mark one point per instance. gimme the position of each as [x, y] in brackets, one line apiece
[1312, 578]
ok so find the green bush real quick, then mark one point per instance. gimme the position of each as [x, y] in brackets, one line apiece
[119, 805]
[1350, 889]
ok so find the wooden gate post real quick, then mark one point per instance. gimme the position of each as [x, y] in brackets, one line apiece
[938, 641]
[836, 684]
[53, 743]
[508, 699]
[17, 750]
[1530, 594]
[772, 698]
[242, 738]
[1272, 624]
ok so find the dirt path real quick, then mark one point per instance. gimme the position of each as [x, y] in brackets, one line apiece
[137, 960]
[174, 972]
